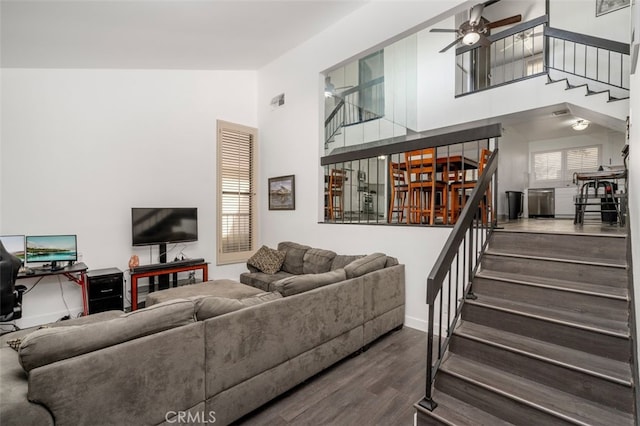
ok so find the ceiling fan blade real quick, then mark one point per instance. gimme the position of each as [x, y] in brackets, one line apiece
[449, 46]
[442, 30]
[506, 21]
[475, 14]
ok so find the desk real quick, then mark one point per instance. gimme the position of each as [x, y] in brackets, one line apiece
[75, 273]
[163, 270]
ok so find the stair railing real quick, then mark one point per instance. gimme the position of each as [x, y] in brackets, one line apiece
[350, 109]
[592, 58]
[449, 282]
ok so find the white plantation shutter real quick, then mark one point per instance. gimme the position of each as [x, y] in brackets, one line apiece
[236, 192]
[547, 165]
[559, 166]
[582, 159]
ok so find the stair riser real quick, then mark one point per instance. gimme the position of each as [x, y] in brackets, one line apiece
[614, 309]
[493, 403]
[603, 249]
[561, 334]
[575, 382]
[584, 273]
[423, 419]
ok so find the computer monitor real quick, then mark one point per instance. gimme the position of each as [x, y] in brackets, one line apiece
[51, 248]
[14, 244]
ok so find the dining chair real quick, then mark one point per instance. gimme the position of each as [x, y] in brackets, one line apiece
[423, 187]
[399, 191]
[460, 186]
[335, 193]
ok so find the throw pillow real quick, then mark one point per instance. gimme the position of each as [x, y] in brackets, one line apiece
[267, 260]
[14, 344]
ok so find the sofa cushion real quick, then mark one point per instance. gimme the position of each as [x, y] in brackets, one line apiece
[221, 288]
[342, 260]
[267, 260]
[49, 345]
[294, 258]
[262, 281]
[212, 306]
[391, 261]
[261, 298]
[367, 264]
[317, 261]
[301, 283]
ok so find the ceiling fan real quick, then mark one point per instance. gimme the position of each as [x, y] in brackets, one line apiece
[330, 89]
[474, 30]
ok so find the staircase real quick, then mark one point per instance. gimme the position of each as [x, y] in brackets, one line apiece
[546, 342]
[620, 94]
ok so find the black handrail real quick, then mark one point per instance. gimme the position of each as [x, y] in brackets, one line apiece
[443, 268]
[616, 54]
[600, 43]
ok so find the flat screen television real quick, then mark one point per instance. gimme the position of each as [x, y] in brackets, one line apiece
[14, 244]
[51, 249]
[162, 225]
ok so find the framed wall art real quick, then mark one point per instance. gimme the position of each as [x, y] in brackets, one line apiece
[606, 6]
[282, 193]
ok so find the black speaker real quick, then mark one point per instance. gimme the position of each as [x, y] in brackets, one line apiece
[104, 290]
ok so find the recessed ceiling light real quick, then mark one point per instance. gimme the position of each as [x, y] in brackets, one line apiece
[580, 125]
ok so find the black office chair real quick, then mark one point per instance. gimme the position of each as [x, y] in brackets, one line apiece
[10, 294]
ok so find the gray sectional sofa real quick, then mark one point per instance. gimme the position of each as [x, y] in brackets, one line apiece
[198, 359]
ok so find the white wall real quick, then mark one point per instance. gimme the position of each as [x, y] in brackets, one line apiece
[81, 147]
[580, 16]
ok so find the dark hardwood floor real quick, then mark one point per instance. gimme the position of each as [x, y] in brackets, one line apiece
[376, 387]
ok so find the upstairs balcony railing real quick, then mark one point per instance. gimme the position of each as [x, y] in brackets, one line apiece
[603, 62]
[514, 54]
[532, 48]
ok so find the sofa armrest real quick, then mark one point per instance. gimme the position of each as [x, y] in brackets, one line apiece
[15, 408]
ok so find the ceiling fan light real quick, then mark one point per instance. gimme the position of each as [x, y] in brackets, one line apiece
[470, 38]
[580, 125]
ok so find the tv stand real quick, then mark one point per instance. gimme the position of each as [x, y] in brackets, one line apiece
[150, 271]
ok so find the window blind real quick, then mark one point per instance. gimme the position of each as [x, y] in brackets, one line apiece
[559, 166]
[236, 192]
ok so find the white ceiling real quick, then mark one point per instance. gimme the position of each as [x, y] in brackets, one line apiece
[159, 34]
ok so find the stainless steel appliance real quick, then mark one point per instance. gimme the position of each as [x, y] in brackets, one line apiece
[542, 202]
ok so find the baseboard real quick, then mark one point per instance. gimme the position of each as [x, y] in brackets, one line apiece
[415, 323]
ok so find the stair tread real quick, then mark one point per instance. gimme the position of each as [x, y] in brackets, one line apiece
[576, 319]
[602, 290]
[451, 410]
[613, 370]
[577, 258]
[550, 400]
